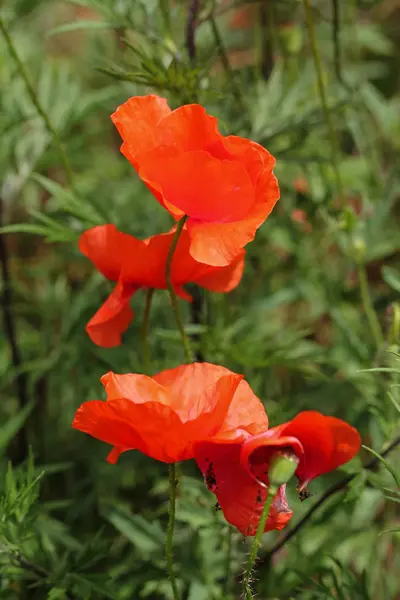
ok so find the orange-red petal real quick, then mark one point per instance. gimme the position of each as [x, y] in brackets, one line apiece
[218, 244]
[321, 443]
[328, 442]
[223, 279]
[137, 120]
[240, 497]
[246, 416]
[189, 128]
[200, 185]
[113, 317]
[201, 394]
[107, 248]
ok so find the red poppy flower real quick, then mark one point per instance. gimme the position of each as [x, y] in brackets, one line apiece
[164, 415]
[135, 264]
[224, 184]
[237, 473]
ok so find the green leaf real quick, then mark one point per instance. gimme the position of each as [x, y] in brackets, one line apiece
[147, 537]
[79, 25]
[13, 425]
[385, 463]
[392, 277]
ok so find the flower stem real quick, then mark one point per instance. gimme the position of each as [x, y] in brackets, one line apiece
[170, 531]
[272, 491]
[145, 331]
[228, 565]
[172, 294]
[369, 308]
[323, 96]
[35, 100]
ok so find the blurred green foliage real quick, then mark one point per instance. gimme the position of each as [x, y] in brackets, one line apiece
[317, 309]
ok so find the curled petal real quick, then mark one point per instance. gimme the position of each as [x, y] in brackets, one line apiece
[219, 244]
[113, 317]
[107, 248]
[246, 416]
[321, 443]
[328, 443]
[223, 279]
[241, 498]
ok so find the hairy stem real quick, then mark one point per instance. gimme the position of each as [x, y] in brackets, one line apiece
[35, 101]
[172, 294]
[369, 308]
[272, 491]
[323, 96]
[144, 332]
[170, 531]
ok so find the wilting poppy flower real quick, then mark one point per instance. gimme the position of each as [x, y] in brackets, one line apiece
[135, 264]
[164, 415]
[237, 473]
[225, 185]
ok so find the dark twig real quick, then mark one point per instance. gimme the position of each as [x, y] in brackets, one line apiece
[336, 39]
[236, 89]
[336, 487]
[191, 29]
[21, 439]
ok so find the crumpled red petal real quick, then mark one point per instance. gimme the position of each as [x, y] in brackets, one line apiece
[321, 443]
[241, 498]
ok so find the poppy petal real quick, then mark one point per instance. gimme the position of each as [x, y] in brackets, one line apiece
[201, 394]
[149, 427]
[137, 120]
[240, 497]
[251, 155]
[200, 185]
[113, 317]
[189, 128]
[136, 388]
[321, 443]
[219, 244]
[328, 443]
[223, 279]
[107, 248]
[246, 415]
[105, 421]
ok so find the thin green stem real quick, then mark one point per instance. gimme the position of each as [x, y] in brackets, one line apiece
[144, 332]
[35, 100]
[323, 96]
[369, 308]
[272, 491]
[228, 565]
[172, 294]
[170, 532]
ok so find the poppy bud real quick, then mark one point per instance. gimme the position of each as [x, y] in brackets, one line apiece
[282, 467]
